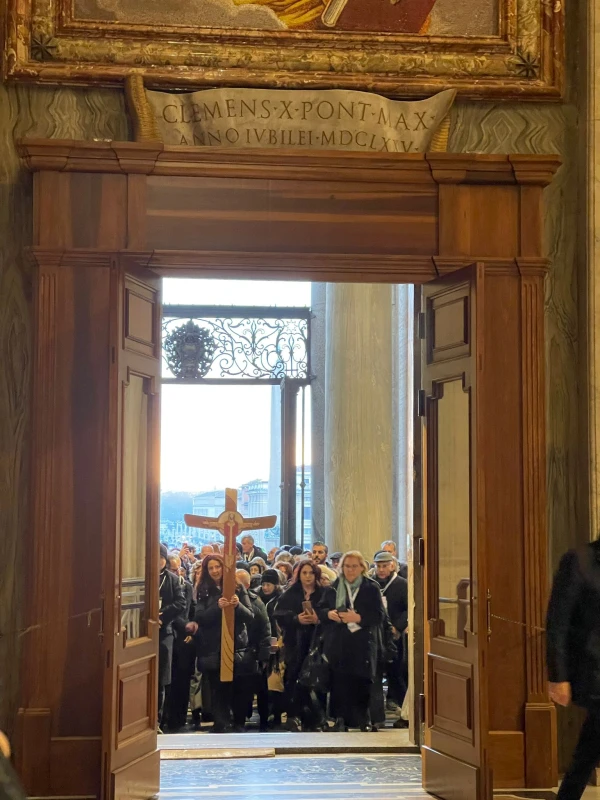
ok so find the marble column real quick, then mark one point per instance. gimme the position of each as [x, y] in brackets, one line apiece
[358, 417]
[317, 400]
[402, 414]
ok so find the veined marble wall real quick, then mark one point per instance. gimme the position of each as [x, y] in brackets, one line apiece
[94, 113]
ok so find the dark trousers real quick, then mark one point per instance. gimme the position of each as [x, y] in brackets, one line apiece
[585, 758]
[184, 657]
[350, 699]
[394, 672]
[261, 688]
[229, 699]
[301, 703]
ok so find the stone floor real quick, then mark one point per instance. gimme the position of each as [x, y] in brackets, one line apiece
[195, 745]
[308, 777]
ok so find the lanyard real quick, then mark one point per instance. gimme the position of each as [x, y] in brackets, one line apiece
[387, 586]
[350, 595]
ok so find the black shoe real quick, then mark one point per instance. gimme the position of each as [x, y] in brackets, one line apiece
[219, 728]
[293, 725]
[367, 728]
[400, 723]
[263, 728]
[339, 726]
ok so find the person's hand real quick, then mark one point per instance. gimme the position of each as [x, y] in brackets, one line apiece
[560, 693]
[223, 602]
[235, 601]
[311, 617]
[191, 627]
[334, 616]
[187, 640]
[350, 616]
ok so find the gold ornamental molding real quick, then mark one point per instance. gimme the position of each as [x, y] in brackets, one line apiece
[519, 55]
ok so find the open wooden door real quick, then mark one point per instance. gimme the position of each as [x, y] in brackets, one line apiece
[131, 765]
[455, 765]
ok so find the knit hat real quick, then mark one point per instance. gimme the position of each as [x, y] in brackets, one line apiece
[164, 553]
[270, 576]
[242, 565]
[383, 557]
[296, 551]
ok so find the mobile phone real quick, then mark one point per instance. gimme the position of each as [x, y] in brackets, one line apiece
[307, 607]
[341, 610]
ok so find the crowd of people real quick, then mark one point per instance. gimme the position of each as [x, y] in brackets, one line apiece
[319, 638]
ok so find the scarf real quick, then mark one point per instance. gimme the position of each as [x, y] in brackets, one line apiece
[343, 588]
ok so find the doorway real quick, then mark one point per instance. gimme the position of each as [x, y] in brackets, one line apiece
[358, 217]
[268, 335]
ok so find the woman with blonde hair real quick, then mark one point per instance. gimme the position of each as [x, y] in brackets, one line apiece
[351, 642]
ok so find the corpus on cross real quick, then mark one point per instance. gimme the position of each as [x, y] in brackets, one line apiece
[229, 524]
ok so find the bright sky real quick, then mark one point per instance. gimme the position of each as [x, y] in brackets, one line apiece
[218, 436]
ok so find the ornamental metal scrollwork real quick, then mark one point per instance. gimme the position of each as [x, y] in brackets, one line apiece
[250, 348]
[188, 351]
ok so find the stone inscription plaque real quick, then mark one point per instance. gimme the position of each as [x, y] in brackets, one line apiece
[312, 119]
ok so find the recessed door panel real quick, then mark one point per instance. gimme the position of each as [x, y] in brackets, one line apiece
[455, 757]
[131, 566]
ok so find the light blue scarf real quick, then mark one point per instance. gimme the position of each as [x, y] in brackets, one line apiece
[343, 587]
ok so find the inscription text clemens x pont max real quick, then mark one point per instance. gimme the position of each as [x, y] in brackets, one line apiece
[318, 120]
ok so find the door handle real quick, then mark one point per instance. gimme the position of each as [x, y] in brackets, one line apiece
[489, 614]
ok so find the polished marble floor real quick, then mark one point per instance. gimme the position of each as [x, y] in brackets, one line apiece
[308, 777]
[389, 740]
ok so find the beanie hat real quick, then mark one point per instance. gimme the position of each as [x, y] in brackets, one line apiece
[296, 551]
[270, 576]
[164, 553]
[242, 565]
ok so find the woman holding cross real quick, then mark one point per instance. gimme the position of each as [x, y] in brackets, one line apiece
[227, 699]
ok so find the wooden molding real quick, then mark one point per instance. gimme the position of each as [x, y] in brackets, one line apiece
[152, 158]
[534, 482]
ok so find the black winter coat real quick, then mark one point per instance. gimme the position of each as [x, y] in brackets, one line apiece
[256, 552]
[396, 596]
[209, 617]
[297, 637]
[188, 612]
[260, 630]
[573, 624]
[172, 601]
[357, 653]
[270, 601]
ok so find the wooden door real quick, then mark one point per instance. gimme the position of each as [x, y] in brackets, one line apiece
[131, 761]
[455, 765]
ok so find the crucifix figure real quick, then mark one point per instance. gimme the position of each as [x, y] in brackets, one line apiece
[230, 524]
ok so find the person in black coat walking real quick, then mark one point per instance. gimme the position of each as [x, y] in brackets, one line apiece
[394, 590]
[573, 656]
[351, 642]
[225, 698]
[184, 655]
[300, 609]
[171, 605]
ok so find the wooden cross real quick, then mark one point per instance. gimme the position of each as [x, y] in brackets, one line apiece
[230, 524]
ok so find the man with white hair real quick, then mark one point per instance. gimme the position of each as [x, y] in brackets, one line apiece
[250, 550]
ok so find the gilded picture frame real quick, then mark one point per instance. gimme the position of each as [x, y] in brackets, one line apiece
[48, 41]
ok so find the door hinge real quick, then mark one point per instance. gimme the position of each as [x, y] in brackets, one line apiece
[421, 551]
[421, 325]
[421, 400]
[422, 709]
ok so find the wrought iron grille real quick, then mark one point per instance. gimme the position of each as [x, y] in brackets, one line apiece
[235, 344]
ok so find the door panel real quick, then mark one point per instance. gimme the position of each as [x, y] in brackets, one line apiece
[455, 753]
[131, 764]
